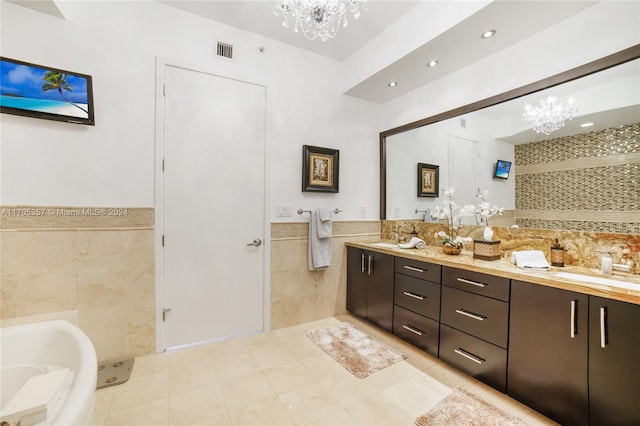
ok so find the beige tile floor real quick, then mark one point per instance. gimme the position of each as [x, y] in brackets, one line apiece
[282, 378]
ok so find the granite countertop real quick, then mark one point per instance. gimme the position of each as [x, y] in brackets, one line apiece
[504, 268]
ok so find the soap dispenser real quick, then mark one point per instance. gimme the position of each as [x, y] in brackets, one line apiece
[557, 254]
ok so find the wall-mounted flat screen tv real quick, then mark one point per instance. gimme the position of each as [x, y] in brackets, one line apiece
[43, 92]
[502, 169]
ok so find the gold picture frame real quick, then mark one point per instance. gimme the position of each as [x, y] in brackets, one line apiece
[320, 169]
[428, 180]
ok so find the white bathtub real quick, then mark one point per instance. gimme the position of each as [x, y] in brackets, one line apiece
[31, 350]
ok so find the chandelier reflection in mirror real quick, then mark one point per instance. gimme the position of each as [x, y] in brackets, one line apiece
[318, 18]
[549, 115]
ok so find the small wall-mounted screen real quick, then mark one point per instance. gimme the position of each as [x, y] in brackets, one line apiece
[502, 169]
[43, 92]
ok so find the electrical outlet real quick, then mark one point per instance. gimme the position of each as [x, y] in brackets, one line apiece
[363, 212]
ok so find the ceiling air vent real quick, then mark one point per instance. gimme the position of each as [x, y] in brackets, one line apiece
[224, 51]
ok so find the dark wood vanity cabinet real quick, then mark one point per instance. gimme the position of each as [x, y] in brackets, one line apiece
[417, 303]
[370, 286]
[474, 326]
[614, 354]
[574, 357]
[548, 345]
[568, 355]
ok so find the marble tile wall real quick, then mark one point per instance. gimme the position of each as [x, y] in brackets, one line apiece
[99, 274]
[580, 246]
[299, 295]
[96, 270]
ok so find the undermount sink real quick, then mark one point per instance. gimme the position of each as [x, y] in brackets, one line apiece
[598, 280]
[385, 245]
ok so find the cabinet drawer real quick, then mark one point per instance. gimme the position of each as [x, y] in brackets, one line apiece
[419, 296]
[414, 268]
[420, 331]
[479, 316]
[482, 360]
[476, 282]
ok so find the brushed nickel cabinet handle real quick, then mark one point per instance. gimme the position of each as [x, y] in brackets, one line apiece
[477, 284]
[470, 314]
[469, 356]
[573, 319]
[362, 266]
[370, 266]
[414, 269]
[415, 296]
[603, 327]
[413, 329]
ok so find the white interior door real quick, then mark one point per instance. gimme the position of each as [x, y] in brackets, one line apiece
[213, 207]
[464, 166]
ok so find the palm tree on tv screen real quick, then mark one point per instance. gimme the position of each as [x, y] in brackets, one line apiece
[58, 81]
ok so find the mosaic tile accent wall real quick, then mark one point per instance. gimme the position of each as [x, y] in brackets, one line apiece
[581, 225]
[591, 180]
[613, 141]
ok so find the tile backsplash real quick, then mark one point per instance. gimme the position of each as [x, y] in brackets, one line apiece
[580, 246]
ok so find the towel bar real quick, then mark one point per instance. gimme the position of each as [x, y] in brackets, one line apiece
[300, 211]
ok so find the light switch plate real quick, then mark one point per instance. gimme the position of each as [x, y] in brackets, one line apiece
[284, 211]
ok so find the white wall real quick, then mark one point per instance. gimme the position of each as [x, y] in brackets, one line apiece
[112, 164]
[600, 30]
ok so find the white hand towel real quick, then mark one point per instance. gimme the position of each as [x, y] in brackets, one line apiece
[324, 224]
[319, 255]
[530, 259]
[414, 242]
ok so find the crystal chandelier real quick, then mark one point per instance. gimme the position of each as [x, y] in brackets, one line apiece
[318, 18]
[550, 115]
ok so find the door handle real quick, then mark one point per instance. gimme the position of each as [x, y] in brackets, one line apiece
[256, 243]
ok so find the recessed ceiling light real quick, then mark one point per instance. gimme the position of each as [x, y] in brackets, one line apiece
[432, 63]
[586, 124]
[393, 84]
[488, 34]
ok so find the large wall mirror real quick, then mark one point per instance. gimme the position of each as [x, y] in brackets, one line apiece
[585, 178]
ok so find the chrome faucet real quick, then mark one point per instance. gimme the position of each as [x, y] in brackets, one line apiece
[607, 262]
[608, 266]
[427, 214]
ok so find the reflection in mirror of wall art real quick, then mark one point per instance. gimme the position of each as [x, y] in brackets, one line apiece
[39, 91]
[320, 169]
[428, 180]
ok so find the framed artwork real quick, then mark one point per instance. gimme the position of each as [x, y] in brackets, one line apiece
[428, 180]
[320, 169]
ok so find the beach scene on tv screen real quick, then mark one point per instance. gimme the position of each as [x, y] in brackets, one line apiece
[31, 88]
[502, 169]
